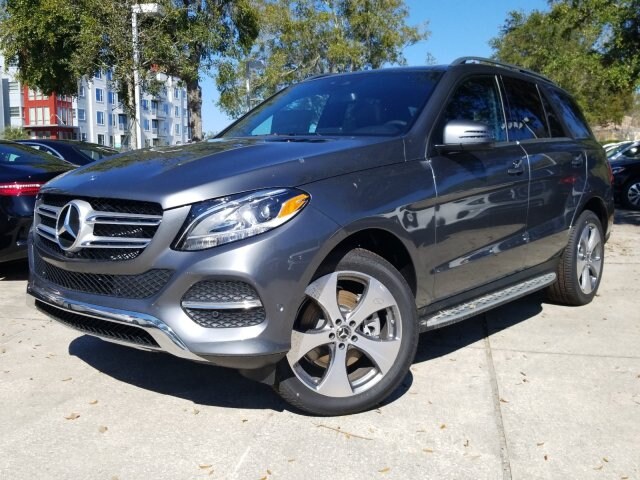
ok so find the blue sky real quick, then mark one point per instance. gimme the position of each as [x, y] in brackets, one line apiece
[458, 28]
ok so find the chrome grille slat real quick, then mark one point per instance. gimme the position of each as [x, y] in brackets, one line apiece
[47, 232]
[115, 218]
[48, 211]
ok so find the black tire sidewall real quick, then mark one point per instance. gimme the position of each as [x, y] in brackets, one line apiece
[585, 218]
[294, 391]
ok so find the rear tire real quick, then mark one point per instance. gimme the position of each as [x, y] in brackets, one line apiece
[580, 269]
[354, 339]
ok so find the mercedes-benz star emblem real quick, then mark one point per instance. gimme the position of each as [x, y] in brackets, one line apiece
[70, 226]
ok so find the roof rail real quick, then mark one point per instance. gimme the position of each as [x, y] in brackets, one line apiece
[488, 61]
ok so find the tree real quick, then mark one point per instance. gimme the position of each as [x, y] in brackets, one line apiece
[589, 47]
[13, 133]
[310, 37]
[57, 42]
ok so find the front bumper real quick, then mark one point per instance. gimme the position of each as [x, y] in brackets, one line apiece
[278, 275]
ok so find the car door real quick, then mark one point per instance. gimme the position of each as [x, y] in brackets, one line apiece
[482, 194]
[558, 165]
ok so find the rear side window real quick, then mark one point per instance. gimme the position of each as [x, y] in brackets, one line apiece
[525, 114]
[555, 127]
[13, 154]
[476, 99]
[571, 114]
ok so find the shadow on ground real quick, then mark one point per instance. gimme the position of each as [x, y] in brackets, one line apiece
[12, 271]
[208, 385]
[627, 217]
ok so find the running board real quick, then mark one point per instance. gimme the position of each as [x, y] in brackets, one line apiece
[484, 303]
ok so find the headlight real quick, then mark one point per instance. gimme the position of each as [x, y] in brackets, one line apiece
[224, 220]
[616, 170]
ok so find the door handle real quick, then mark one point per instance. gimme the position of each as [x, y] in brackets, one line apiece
[517, 168]
[577, 161]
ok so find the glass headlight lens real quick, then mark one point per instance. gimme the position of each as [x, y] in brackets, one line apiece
[224, 220]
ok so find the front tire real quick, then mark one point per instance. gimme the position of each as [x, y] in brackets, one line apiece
[354, 339]
[580, 269]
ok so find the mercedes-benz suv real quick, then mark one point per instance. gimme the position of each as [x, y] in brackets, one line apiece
[311, 242]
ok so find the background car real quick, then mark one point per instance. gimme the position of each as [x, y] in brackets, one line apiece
[625, 167]
[614, 148]
[77, 153]
[23, 171]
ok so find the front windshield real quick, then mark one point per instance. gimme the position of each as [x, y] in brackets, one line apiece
[377, 103]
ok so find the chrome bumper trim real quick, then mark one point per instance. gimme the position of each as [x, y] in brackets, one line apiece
[165, 337]
[246, 305]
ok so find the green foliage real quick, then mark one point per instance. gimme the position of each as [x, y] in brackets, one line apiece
[56, 42]
[589, 47]
[310, 37]
[13, 133]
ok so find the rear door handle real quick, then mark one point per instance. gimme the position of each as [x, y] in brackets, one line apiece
[517, 168]
[577, 161]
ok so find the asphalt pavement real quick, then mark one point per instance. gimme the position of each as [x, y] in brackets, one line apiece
[531, 390]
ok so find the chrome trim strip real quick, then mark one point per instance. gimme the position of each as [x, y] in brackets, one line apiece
[48, 211]
[161, 332]
[115, 242]
[118, 218]
[246, 305]
[46, 232]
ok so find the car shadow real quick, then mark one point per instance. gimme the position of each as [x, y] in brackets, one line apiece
[215, 386]
[626, 217]
[14, 271]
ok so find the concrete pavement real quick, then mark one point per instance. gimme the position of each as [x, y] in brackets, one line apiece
[530, 390]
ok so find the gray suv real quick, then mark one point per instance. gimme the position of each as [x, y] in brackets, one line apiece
[315, 238]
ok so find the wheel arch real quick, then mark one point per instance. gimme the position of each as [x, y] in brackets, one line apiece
[598, 206]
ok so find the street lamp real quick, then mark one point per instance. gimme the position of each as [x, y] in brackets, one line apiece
[138, 9]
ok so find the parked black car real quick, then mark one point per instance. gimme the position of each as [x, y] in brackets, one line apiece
[314, 239]
[23, 171]
[625, 166]
[77, 153]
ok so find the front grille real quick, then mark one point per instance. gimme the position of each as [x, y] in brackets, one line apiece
[114, 229]
[99, 327]
[106, 204]
[221, 292]
[143, 285]
[226, 318]
[223, 304]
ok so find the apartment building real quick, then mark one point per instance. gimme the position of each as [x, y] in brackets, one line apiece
[95, 114]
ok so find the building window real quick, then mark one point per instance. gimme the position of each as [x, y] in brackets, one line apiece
[32, 94]
[165, 108]
[73, 113]
[47, 116]
[184, 112]
[177, 129]
[111, 97]
[14, 87]
[14, 111]
[82, 114]
[145, 105]
[176, 93]
[176, 111]
[109, 77]
[154, 126]
[39, 119]
[99, 95]
[81, 91]
[146, 124]
[100, 139]
[100, 118]
[111, 140]
[83, 137]
[98, 74]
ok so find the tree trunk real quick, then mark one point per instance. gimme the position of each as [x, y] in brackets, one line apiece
[131, 111]
[194, 103]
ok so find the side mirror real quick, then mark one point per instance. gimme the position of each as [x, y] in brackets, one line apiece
[464, 135]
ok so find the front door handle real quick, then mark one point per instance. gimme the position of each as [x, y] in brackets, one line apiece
[517, 168]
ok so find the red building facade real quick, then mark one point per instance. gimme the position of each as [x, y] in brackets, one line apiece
[49, 116]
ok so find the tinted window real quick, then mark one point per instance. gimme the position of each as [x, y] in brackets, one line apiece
[380, 103]
[571, 114]
[555, 127]
[95, 153]
[23, 155]
[476, 99]
[525, 114]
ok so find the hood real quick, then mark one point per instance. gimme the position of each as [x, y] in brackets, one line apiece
[180, 175]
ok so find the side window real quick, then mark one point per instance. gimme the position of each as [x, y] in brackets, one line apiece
[555, 127]
[571, 114]
[525, 114]
[476, 99]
